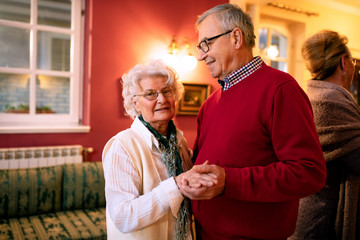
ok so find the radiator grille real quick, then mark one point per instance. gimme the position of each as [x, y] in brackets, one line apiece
[31, 157]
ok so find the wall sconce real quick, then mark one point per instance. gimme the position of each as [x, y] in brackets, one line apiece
[180, 57]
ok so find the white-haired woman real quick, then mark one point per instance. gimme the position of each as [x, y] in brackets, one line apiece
[143, 163]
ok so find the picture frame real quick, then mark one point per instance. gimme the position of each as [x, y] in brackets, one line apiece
[193, 97]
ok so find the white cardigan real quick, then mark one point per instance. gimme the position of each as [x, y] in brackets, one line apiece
[138, 143]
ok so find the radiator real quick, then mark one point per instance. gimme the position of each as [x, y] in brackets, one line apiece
[32, 157]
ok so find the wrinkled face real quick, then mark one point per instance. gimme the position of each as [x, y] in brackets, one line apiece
[219, 56]
[157, 112]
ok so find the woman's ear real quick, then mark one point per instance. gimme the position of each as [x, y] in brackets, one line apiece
[343, 62]
[135, 102]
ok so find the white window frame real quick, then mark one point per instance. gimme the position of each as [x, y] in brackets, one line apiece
[49, 123]
[285, 33]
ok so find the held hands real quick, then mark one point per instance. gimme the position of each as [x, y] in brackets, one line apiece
[195, 179]
[202, 181]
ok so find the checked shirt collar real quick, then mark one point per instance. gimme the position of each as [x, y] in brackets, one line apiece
[243, 72]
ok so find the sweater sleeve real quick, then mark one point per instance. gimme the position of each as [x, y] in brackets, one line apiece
[300, 167]
[129, 210]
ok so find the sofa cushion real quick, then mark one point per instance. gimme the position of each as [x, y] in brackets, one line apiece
[77, 224]
[84, 186]
[30, 191]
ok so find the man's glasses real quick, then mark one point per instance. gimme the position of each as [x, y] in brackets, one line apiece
[151, 94]
[204, 44]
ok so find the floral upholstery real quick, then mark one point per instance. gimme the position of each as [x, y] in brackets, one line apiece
[83, 186]
[36, 190]
[77, 224]
[60, 202]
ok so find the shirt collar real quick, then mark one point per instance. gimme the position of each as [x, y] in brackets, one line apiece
[241, 73]
[149, 138]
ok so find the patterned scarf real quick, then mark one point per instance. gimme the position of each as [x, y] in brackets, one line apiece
[171, 158]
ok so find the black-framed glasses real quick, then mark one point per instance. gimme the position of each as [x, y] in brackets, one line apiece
[152, 94]
[204, 44]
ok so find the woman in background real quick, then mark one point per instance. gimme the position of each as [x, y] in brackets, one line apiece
[143, 163]
[331, 213]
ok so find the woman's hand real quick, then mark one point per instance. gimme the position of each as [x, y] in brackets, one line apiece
[195, 179]
[203, 182]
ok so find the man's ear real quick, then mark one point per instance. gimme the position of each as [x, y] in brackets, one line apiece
[238, 37]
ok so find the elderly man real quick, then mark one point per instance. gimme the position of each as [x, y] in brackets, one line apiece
[257, 134]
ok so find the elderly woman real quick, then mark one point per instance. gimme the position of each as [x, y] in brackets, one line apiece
[143, 163]
[331, 213]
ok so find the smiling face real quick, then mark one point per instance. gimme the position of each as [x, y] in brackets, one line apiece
[219, 58]
[157, 112]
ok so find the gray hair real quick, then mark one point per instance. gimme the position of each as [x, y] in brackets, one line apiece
[154, 68]
[231, 16]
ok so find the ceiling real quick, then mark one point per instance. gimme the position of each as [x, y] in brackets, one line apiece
[353, 3]
[352, 6]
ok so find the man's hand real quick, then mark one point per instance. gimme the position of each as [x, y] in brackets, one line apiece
[195, 179]
[189, 183]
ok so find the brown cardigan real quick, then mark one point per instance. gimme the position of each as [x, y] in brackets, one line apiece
[337, 119]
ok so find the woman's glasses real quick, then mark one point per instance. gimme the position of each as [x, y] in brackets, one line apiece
[152, 94]
[354, 61]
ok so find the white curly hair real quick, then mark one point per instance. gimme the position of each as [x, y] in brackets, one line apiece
[131, 79]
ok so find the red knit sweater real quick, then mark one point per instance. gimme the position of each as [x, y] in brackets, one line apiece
[262, 132]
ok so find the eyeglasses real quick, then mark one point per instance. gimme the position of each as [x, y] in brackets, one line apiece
[204, 44]
[354, 61]
[151, 94]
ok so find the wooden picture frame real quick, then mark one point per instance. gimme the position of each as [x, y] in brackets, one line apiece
[193, 97]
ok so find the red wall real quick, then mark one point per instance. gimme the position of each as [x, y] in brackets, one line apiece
[118, 35]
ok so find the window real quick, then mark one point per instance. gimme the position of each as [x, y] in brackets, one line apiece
[40, 64]
[273, 48]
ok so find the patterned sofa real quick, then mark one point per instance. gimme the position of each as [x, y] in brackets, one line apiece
[58, 202]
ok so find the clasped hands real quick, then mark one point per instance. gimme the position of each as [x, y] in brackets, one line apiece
[202, 181]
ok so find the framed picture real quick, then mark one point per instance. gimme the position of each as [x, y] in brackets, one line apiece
[192, 99]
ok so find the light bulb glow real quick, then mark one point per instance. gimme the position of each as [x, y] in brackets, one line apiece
[181, 63]
[178, 58]
[188, 62]
[273, 51]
